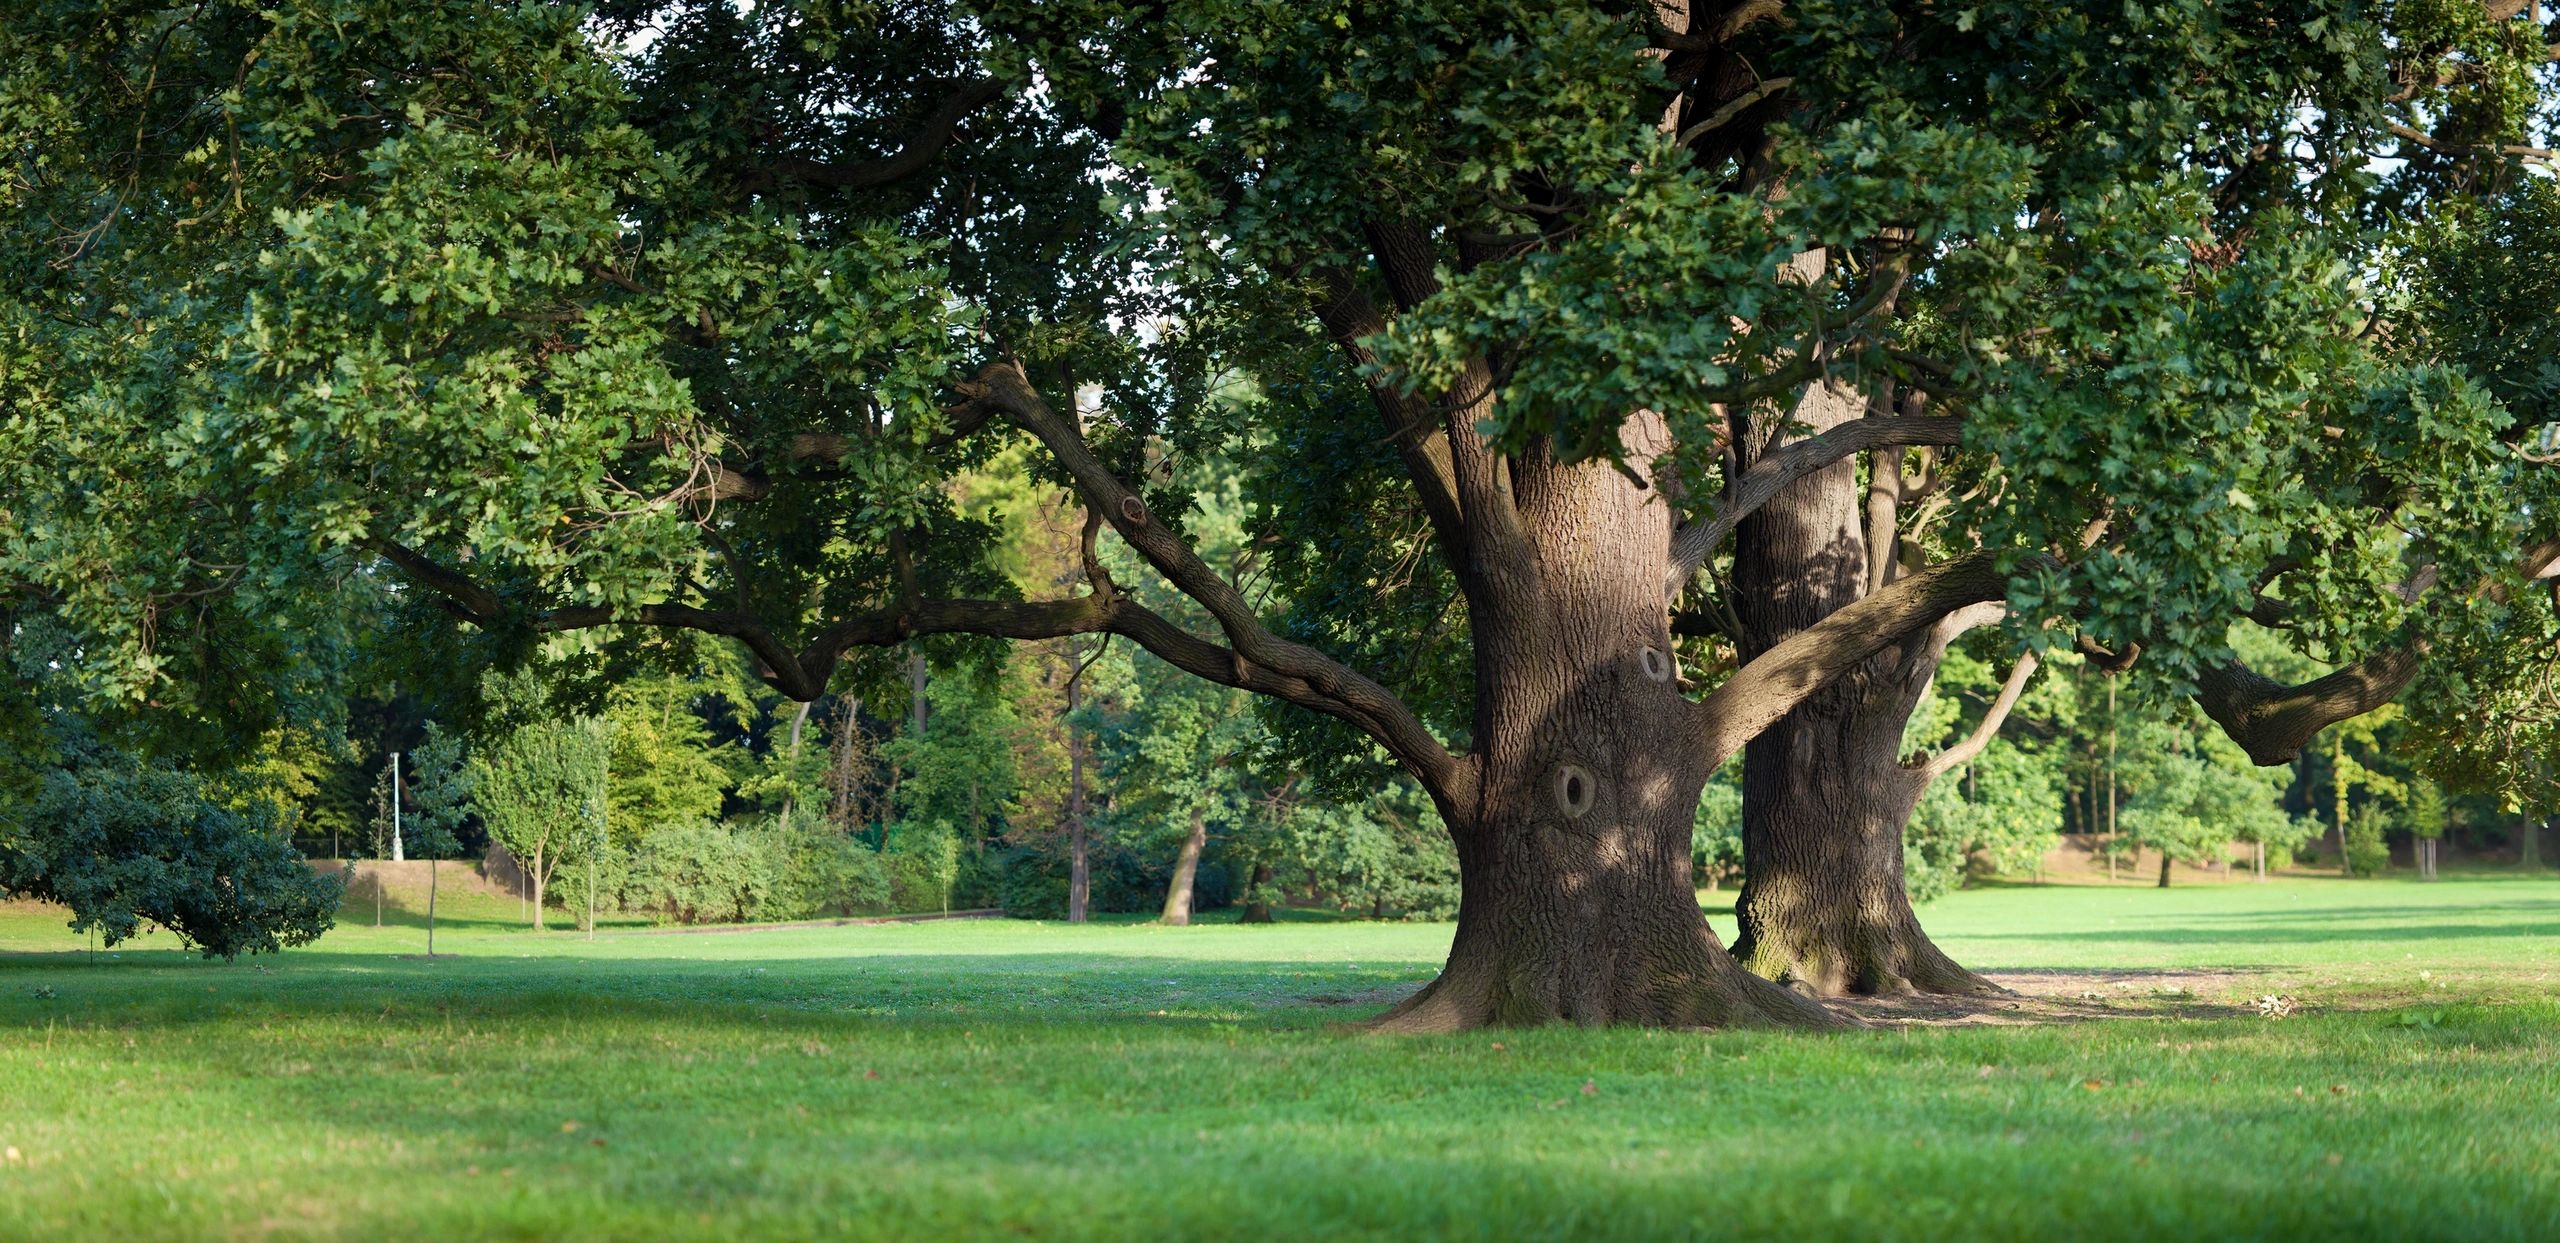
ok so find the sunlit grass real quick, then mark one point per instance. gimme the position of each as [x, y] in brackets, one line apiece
[1005, 1079]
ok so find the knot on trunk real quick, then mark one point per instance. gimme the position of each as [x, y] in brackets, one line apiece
[1577, 791]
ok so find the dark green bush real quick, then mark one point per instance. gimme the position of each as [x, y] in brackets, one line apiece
[1032, 883]
[122, 846]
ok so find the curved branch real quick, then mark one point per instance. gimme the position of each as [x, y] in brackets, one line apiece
[2273, 722]
[1345, 692]
[1993, 718]
[803, 674]
[1773, 684]
[1696, 541]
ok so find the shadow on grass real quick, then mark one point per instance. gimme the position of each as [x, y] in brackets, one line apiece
[166, 988]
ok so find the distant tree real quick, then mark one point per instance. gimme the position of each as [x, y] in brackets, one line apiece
[438, 781]
[534, 785]
[1715, 832]
[666, 770]
[2425, 813]
[1174, 751]
[2196, 794]
[123, 843]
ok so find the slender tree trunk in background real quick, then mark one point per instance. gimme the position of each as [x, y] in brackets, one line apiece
[1079, 866]
[1825, 795]
[2531, 856]
[2261, 865]
[2112, 806]
[2338, 800]
[1257, 908]
[2165, 861]
[540, 875]
[916, 675]
[799, 720]
[1186, 867]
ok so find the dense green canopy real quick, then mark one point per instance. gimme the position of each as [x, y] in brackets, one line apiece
[564, 319]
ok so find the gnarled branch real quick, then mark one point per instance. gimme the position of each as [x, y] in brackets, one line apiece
[1262, 659]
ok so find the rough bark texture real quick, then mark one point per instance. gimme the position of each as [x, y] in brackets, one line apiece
[1578, 902]
[1825, 795]
[1186, 867]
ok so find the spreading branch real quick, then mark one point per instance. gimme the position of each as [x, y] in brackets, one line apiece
[1696, 541]
[2273, 722]
[1262, 659]
[1773, 684]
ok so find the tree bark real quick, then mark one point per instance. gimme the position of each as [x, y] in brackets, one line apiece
[1186, 866]
[1257, 909]
[541, 876]
[2165, 861]
[1578, 902]
[1825, 795]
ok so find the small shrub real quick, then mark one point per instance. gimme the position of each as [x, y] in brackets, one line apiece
[702, 874]
[2367, 853]
[824, 873]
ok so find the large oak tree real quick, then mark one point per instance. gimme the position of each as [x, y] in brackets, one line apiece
[1582, 351]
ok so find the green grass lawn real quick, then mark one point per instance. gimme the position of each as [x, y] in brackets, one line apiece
[1013, 1080]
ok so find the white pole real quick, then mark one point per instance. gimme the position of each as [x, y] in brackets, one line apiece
[395, 807]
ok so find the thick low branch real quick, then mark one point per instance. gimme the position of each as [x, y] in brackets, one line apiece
[1773, 684]
[803, 673]
[1696, 541]
[1344, 692]
[911, 157]
[2273, 722]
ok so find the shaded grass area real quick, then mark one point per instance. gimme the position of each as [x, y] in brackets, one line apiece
[1014, 1080]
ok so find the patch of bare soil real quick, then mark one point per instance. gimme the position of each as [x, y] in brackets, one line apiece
[2069, 996]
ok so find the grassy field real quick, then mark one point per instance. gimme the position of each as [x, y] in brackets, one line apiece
[1011, 1080]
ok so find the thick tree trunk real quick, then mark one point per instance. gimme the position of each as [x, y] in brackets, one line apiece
[1823, 903]
[1573, 835]
[1825, 795]
[1591, 918]
[1186, 866]
[2165, 860]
